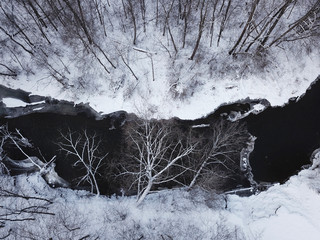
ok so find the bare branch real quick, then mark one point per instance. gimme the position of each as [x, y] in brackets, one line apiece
[85, 148]
[157, 152]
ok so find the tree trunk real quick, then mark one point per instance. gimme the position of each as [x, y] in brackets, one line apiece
[186, 13]
[133, 21]
[282, 11]
[197, 174]
[212, 21]
[95, 183]
[145, 192]
[203, 16]
[253, 9]
[224, 21]
[294, 25]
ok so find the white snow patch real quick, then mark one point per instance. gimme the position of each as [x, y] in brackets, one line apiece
[13, 102]
[37, 109]
[290, 211]
[258, 108]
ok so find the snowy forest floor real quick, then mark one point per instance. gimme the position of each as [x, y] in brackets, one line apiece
[288, 211]
[285, 76]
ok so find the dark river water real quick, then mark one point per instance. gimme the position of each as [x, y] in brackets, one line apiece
[43, 129]
[286, 136]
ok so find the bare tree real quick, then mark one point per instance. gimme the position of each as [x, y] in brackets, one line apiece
[85, 149]
[31, 163]
[280, 13]
[167, 24]
[215, 3]
[15, 41]
[224, 19]
[143, 13]
[19, 208]
[249, 20]
[19, 142]
[9, 72]
[26, 213]
[203, 16]
[126, 63]
[134, 21]
[187, 6]
[99, 10]
[155, 150]
[309, 23]
[218, 154]
[150, 56]
[79, 17]
[3, 167]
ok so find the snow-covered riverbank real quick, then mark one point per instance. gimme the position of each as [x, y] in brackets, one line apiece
[288, 212]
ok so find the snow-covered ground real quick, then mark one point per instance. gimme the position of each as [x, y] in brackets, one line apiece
[289, 211]
[287, 77]
[165, 86]
[162, 83]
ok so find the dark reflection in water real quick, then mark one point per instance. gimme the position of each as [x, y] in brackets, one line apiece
[286, 136]
[43, 129]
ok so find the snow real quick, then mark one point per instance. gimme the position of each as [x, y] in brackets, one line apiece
[290, 211]
[258, 108]
[12, 102]
[154, 98]
[180, 87]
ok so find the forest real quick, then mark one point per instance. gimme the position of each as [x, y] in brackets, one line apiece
[169, 165]
[75, 42]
